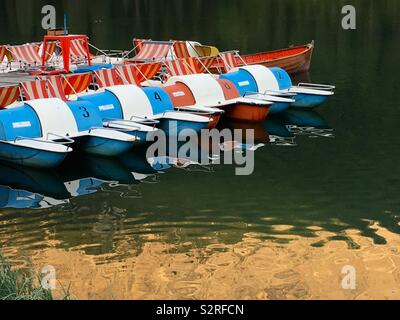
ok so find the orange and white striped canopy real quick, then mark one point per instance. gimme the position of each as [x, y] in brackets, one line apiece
[153, 50]
[146, 71]
[50, 49]
[76, 83]
[8, 95]
[27, 53]
[3, 51]
[182, 67]
[181, 49]
[205, 63]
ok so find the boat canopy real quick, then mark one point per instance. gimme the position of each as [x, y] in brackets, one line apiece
[8, 95]
[153, 51]
[205, 89]
[26, 53]
[130, 101]
[283, 78]
[48, 111]
[19, 122]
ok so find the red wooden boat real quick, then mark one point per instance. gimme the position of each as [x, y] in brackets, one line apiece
[293, 59]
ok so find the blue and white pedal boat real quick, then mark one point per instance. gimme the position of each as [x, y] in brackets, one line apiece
[23, 140]
[130, 106]
[82, 123]
[258, 81]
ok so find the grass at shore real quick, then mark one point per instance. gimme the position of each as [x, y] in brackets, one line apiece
[20, 285]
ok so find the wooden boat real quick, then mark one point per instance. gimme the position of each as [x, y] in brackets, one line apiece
[293, 59]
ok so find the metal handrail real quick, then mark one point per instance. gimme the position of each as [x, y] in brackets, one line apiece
[271, 93]
[316, 85]
[68, 140]
[108, 121]
[144, 120]
[38, 140]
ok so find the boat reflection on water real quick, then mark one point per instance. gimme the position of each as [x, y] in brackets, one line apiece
[23, 187]
[82, 174]
[261, 135]
[284, 127]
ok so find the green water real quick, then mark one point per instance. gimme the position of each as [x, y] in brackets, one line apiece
[343, 179]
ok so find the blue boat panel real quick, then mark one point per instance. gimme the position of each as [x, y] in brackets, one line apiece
[84, 69]
[278, 107]
[284, 80]
[243, 81]
[86, 115]
[308, 100]
[159, 99]
[107, 104]
[19, 122]
[30, 157]
[104, 146]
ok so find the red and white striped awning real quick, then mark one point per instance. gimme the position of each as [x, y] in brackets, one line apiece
[8, 95]
[108, 78]
[27, 53]
[181, 67]
[129, 73]
[138, 44]
[56, 87]
[228, 60]
[37, 89]
[3, 51]
[153, 50]
[50, 49]
[78, 50]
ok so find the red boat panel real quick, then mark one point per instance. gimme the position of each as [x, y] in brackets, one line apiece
[180, 95]
[241, 111]
[247, 112]
[229, 89]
